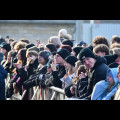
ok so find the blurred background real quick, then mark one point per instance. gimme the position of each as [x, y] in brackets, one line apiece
[80, 30]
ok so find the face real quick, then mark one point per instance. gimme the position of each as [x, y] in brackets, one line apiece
[59, 59]
[73, 53]
[89, 62]
[117, 60]
[19, 56]
[9, 56]
[67, 66]
[102, 54]
[110, 79]
[76, 68]
[3, 51]
[41, 60]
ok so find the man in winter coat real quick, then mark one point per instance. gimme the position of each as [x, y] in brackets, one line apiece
[97, 70]
[3, 75]
[59, 71]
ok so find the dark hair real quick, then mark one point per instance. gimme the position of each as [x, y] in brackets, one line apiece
[23, 55]
[45, 54]
[24, 40]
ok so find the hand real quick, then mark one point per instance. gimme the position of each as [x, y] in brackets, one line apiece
[9, 59]
[18, 66]
[16, 90]
[53, 66]
[72, 89]
[14, 84]
[82, 75]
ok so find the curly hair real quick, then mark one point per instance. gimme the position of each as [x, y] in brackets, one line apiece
[101, 40]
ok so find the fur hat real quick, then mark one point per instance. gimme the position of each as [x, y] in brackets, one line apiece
[84, 53]
[71, 60]
[63, 53]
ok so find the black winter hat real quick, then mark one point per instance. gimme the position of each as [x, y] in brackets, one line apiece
[71, 60]
[29, 45]
[84, 53]
[63, 53]
[77, 50]
[2, 40]
[6, 46]
[67, 42]
[51, 47]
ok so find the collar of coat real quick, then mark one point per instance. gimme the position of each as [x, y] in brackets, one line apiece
[99, 60]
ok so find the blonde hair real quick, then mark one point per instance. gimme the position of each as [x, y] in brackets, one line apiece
[55, 40]
[19, 46]
[81, 68]
[115, 45]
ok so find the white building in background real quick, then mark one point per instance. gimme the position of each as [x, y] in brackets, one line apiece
[43, 29]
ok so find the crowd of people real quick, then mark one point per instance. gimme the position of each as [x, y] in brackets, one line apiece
[84, 72]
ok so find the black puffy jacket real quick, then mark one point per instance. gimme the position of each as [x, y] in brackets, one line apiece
[96, 74]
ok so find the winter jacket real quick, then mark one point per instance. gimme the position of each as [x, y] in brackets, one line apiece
[110, 58]
[34, 78]
[100, 91]
[57, 75]
[113, 65]
[96, 74]
[3, 75]
[81, 87]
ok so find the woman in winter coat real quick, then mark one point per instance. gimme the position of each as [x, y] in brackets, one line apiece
[77, 84]
[69, 67]
[105, 89]
[15, 85]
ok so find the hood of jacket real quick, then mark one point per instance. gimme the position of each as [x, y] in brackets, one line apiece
[100, 90]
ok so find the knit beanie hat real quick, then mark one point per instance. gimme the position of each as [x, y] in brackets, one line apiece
[67, 47]
[77, 50]
[51, 47]
[29, 45]
[84, 53]
[67, 42]
[34, 48]
[45, 54]
[71, 60]
[63, 53]
[6, 46]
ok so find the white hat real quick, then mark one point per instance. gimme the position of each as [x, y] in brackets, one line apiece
[63, 31]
